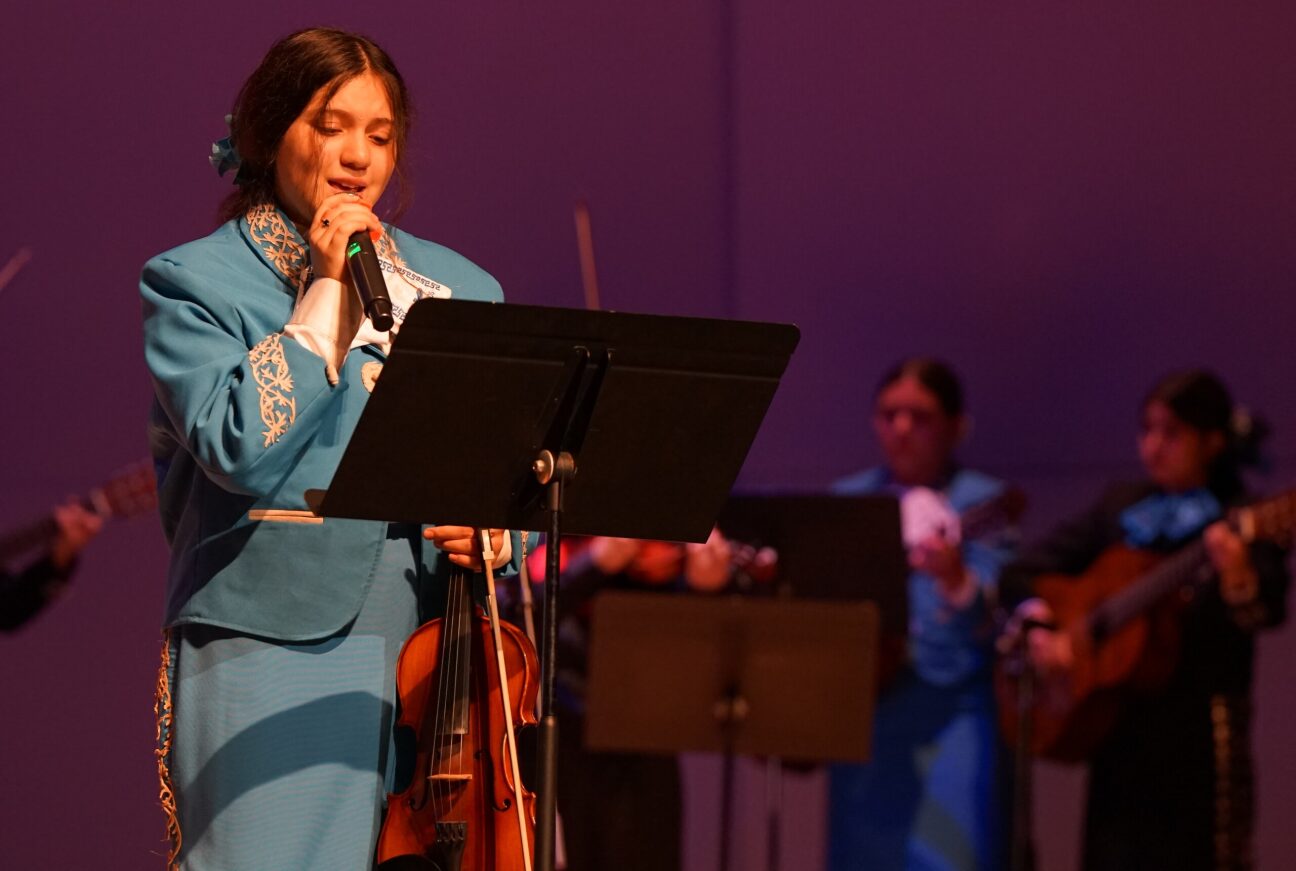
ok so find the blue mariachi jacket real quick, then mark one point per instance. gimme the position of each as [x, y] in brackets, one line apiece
[949, 646]
[245, 421]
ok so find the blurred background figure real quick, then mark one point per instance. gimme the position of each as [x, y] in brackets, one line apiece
[25, 592]
[1171, 785]
[930, 797]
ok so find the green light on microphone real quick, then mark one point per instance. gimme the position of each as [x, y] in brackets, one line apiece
[353, 249]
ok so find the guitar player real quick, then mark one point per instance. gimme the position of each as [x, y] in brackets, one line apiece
[1171, 784]
[24, 593]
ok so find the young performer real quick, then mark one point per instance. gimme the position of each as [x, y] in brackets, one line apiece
[276, 696]
[1171, 785]
[930, 796]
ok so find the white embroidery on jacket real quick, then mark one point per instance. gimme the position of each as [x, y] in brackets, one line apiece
[278, 242]
[274, 387]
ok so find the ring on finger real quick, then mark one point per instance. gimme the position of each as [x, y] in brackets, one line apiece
[325, 222]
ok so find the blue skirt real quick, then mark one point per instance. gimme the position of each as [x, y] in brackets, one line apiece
[930, 799]
[281, 754]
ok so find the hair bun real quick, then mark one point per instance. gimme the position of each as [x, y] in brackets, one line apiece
[1248, 433]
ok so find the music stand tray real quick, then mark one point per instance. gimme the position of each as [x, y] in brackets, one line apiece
[658, 411]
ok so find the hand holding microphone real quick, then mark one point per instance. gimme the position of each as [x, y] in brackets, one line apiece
[341, 239]
[367, 277]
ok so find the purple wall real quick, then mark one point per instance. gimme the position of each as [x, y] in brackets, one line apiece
[1064, 203]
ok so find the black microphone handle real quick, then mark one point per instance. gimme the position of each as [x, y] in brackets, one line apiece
[367, 276]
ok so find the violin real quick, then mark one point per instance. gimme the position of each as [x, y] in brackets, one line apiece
[466, 682]
[661, 562]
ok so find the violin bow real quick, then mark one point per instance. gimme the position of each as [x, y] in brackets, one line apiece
[492, 609]
[585, 246]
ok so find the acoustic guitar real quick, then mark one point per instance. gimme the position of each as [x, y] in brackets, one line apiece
[1123, 617]
[128, 493]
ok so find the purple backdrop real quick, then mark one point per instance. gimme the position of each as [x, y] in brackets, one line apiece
[1065, 203]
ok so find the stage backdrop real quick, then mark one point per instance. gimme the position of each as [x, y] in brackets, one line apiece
[1065, 203]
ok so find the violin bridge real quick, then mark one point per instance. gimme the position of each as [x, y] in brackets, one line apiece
[450, 778]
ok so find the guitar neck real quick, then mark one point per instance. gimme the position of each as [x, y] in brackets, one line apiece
[1182, 569]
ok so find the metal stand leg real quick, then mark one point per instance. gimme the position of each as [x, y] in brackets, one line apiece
[1023, 847]
[553, 472]
[773, 813]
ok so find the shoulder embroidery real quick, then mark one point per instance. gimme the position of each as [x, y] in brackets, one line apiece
[274, 386]
[390, 259]
[278, 242]
[387, 250]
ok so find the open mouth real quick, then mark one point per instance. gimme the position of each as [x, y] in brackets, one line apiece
[347, 187]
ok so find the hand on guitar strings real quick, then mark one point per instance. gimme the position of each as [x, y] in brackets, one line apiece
[462, 545]
[943, 560]
[75, 527]
[1048, 650]
[1228, 553]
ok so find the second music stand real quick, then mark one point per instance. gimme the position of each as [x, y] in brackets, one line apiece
[731, 675]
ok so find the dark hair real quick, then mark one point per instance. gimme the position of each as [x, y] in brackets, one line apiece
[280, 89]
[935, 375]
[1199, 399]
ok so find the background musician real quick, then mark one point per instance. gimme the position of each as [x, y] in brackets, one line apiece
[23, 594]
[1171, 786]
[930, 796]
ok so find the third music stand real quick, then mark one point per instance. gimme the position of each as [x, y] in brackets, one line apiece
[731, 675]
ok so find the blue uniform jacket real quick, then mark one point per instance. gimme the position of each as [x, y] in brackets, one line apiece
[245, 421]
[948, 646]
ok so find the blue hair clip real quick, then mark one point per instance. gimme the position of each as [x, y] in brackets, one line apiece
[224, 156]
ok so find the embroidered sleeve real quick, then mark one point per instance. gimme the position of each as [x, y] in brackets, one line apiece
[228, 397]
[274, 386]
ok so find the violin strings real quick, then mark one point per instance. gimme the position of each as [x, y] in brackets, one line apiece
[446, 690]
[460, 696]
[434, 759]
[456, 669]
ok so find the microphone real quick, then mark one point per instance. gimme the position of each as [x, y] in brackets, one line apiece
[367, 276]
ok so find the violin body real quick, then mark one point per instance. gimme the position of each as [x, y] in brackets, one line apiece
[458, 812]
[1072, 714]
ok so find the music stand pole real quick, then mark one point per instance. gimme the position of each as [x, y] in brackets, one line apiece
[730, 711]
[773, 813]
[552, 472]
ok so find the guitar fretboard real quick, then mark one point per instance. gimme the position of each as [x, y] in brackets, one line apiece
[1185, 568]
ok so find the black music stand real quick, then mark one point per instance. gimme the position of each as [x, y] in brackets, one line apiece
[731, 675]
[837, 548]
[483, 413]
